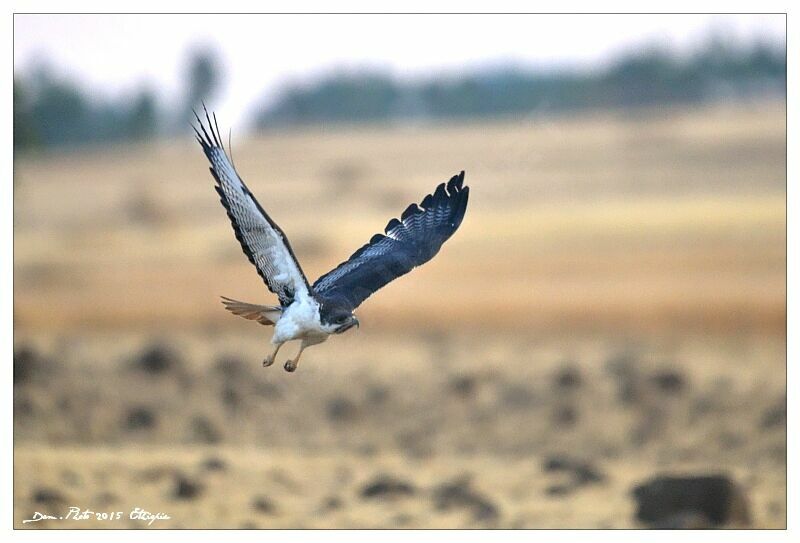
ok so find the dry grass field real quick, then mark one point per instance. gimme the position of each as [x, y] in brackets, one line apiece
[614, 301]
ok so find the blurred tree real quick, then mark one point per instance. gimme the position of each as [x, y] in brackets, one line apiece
[202, 77]
[143, 117]
[649, 76]
[60, 111]
[25, 136]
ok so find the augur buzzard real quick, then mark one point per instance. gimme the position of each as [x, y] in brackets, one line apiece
[308, 312]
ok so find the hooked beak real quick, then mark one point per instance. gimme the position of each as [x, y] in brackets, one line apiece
[352, 322]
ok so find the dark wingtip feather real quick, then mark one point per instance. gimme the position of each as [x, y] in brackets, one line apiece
[455, 183]
[426, 202]
[392, 224]
[461, 208]
[412, 209]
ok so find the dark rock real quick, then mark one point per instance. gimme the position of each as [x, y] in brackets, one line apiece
[377, 394]
[622, 364]
[341, 409]
[331, 503]
[26, 364]
[623, 367]
[459, 494]
[231, 368]
[387, 487]
[568, 378]
[557, 491]
[669, 381]
[558, 463]
[48, 497]
[140, 418]
[629, 391]
[681, 502]
[774, 417]
[186, 488]
[464, 385]
[585, 474]
[231, 398]
[565, 415]
[582, 473]
[23, 405]
[263, 505]
[214, 463]
[204, 431]
[158, 360]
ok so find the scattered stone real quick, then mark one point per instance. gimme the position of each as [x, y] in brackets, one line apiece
[464, 386]
[774, 417]
[140, 418]
[186, 488]
[377, 394]
[157, 360]
[695, 501]
[582, 473]
[230, 367]
[585, 474]
[231, 398]
[459, 494]
[204, 431]
[263, 505]
[331, 503]
[622, 364]
[214, 463]
[26, 364]
[23, 405]
[565, 415]
[623, 368]
[387, 487]
[568, 378]
[558, 491]
[341, 409]
[558, 463]
[48, 497]
[669, 381]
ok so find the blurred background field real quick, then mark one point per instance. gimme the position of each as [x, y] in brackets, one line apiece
[612, 308]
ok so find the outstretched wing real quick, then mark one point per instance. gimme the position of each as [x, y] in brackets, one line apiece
[262, 240]
[407, 243]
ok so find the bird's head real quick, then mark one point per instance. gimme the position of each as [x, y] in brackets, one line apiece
[336, 317]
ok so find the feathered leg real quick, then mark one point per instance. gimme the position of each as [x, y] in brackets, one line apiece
[268, 361]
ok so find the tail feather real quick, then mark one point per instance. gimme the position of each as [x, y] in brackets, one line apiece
[264, 314]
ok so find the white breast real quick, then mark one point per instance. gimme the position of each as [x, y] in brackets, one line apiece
[300, 319]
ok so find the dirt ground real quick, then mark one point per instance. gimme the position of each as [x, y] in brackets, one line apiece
[614, 301]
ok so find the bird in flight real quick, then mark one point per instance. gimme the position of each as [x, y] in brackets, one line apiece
[312, 313]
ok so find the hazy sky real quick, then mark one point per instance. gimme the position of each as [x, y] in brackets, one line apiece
[114, 53]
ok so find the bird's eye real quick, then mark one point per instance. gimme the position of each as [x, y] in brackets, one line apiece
[342, 319]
